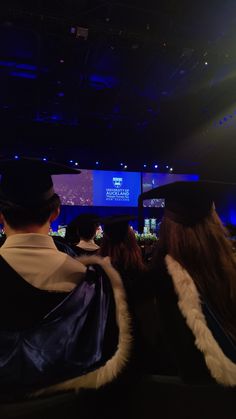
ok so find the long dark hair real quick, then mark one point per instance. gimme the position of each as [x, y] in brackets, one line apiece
[126, 254]
[205, 251]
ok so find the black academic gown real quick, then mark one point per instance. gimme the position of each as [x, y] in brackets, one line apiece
[196, 340]
[47, 337]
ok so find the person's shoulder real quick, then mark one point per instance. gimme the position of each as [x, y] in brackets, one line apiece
[74, 264]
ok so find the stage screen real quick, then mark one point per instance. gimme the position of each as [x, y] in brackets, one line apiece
[75, 189]
[99, 188]
[153, 180]
[116, 189]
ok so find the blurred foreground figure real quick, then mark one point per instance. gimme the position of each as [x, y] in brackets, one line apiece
[54, 310]
[194, 271]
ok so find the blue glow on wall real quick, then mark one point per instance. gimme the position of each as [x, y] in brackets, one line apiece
[105, 81]
[232, 216]
[23, 74]
[26, 66]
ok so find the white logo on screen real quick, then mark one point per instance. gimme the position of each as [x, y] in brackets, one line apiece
[117, 181]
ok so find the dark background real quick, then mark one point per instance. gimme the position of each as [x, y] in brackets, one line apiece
[138, 82]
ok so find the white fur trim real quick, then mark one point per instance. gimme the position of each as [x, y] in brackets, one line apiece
[222, 369]
[113, 366]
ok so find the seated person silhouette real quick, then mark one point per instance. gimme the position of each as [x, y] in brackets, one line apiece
[81, 233]
[120, 244]
[194, 271]
[54, 310]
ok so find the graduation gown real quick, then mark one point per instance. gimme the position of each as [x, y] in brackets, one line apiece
[202, 350]
[52, 341]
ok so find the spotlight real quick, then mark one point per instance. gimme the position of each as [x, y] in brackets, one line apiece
[125, 166]
[71, 161]
[156, 166]
[121, 164]
[97, 162]
[16, 157]
[44, 159]
[144, 165]
[171, 169]
[167, 167]
[76, 163]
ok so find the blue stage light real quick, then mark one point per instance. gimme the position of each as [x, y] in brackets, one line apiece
[16, 157]
[26, 67]
[23, 74]
[55, 117]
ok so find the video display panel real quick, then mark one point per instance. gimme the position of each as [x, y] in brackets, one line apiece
[75, 189]
[153, 180]
[116, 188]
[99, 188]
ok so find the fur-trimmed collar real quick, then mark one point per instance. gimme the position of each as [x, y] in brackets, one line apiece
[114, 365]
[222, 369]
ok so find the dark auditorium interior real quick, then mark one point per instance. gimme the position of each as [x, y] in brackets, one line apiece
[152, 80]
[135, 94]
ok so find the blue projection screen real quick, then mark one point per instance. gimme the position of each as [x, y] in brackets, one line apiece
[99, 188]
[116, 189]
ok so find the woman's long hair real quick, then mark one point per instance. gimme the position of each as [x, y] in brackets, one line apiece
[125, 254]
[206, 253]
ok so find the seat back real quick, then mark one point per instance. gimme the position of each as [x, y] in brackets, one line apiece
[168, 397]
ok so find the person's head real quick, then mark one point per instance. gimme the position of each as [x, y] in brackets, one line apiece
[190, 218]
[116, 228]
[86, 226]
[197, 245]
[119, 242]
[27, 197]
[20, 217]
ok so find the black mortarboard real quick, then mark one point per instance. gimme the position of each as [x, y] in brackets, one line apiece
[27, 181]
[188, 203]
[87, 218]
[116, 227]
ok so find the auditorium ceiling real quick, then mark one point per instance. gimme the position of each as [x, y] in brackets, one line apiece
[142, 83]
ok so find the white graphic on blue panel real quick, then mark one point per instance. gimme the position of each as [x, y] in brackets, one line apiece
[117, 181]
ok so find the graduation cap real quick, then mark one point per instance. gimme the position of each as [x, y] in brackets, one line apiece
[88, 218]
[28, 181]
[86, 222]
[116, 227]
[187, 203]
